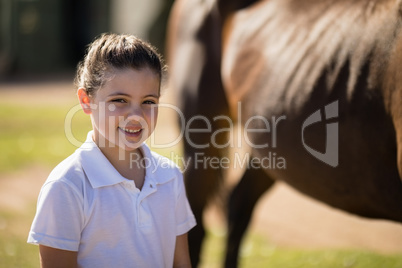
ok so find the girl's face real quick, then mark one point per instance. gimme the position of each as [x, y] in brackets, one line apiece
[124, 110]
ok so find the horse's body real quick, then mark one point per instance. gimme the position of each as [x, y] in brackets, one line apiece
[284, 60]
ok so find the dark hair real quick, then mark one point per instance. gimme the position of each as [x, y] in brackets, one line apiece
[111, 51]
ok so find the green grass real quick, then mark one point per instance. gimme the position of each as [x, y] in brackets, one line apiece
[32, 134]
[14, 251]
[36, 135]
[257, 252]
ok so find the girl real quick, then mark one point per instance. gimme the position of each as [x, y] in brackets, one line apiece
[114, 203]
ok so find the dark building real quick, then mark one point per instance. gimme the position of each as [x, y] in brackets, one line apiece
[39, 36]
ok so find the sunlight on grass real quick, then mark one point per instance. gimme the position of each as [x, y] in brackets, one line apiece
[14, 251]
[35, 135]
[257, 252]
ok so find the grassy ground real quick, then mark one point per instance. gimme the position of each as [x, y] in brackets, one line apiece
[34, 134]
[257, 252]
[14, 251]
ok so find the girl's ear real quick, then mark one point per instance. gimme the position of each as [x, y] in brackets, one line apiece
[85, 101]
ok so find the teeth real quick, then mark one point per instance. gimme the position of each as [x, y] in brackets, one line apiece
[131, 130]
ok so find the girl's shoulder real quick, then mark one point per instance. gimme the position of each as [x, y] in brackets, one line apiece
[68, 171]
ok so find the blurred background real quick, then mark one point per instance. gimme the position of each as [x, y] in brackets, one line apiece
[50, 36]
[41, 42]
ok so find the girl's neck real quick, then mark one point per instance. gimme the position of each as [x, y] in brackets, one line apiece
[128, 163]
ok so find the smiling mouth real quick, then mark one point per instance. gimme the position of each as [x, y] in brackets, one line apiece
[131, 131]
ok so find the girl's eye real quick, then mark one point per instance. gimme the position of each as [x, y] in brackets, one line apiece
[149, 102]
[119, 100]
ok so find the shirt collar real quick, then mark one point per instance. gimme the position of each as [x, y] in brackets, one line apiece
[100, 172]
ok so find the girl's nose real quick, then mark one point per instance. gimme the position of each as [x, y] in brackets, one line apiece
[135, 110]
[137, 121]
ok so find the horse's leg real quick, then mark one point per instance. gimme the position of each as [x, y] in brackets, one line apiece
[201, 184]
[202, 177]
[240, 208]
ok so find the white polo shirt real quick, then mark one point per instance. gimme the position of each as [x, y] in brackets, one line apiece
[85, 205]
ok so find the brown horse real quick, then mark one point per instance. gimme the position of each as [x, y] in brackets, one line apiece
[317, 88]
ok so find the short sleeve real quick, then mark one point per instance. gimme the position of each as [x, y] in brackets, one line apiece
[59, 217]
[184, 216]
